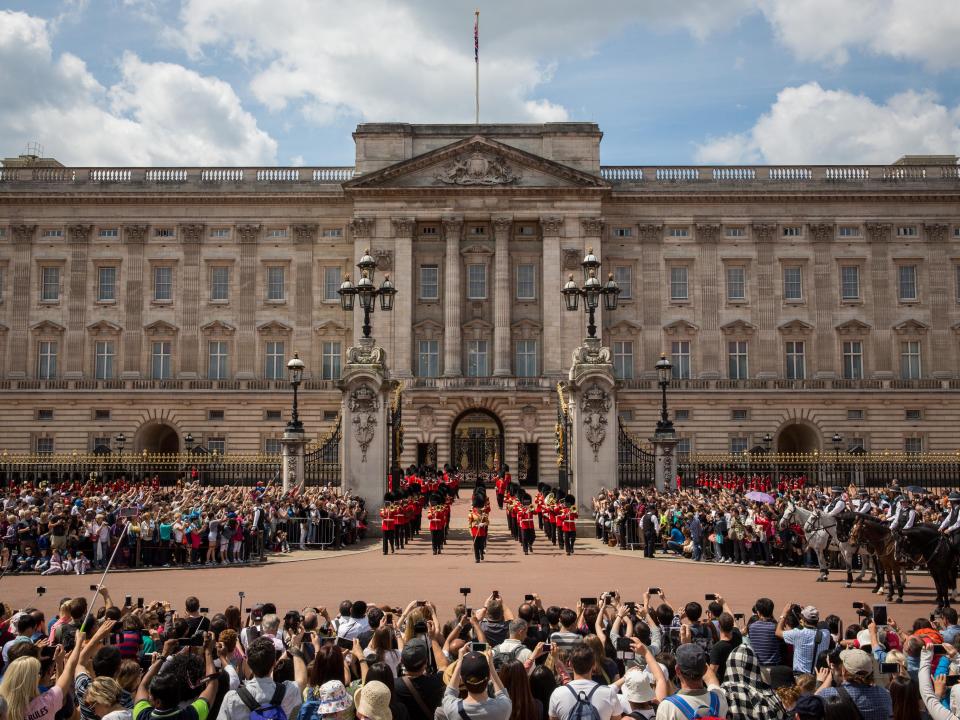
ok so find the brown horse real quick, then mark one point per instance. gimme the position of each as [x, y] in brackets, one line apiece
[878, 539]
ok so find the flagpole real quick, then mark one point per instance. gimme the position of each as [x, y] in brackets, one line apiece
[476, 63]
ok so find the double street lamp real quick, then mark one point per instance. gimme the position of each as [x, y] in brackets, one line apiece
[367, 292]
[591, 292]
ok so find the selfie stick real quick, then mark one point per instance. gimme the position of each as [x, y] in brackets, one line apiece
[83, 628]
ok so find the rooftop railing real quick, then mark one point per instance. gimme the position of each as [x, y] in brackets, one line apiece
[665, 177]
[177, 177]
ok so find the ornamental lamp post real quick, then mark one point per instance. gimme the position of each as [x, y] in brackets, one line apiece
[188, 441]
[767, 443]
[120, 440]
[591, 292]
[837, 439]
[295, 372]
[664, 370]
[366, 291]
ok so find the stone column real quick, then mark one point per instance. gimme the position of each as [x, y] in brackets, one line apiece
[22, 297]
[593, 410]
[652, 294]
[304, 239]
[939, 350]
[292, 444]
[502, 298]
[190, 353]
[710, 274]
[452, 350]
[764, 310]
[133, 239]
[247, 303]
[366, 402]
[665, 465]
[402, 361]
[824, 302]
[78, 237]
[550, 299]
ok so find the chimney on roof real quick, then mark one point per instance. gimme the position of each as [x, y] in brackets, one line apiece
[31, 158]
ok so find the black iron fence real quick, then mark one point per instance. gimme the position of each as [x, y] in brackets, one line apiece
[636, 467]
[777, 471]
[321, 466]
[562, 433]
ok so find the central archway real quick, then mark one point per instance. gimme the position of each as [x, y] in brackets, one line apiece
[798, 438]
[157, 437]
[476, 441]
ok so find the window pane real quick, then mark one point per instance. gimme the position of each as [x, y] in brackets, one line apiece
[850, 282]
[163, 283]
[852, 360]
[678, 283]
[737, 359]
[331, 361]
[275, 287]
[46, 360]
[217, 368]
[623, 275]
[107, 284]
[736, 283]
[477, 358]
[160, 365]
[792, 283]
[910, 360]
[623, 360]
[526, 282]
[680, 359]
[796, 362]
[331, 283]
[274, 365]
[428, 358]
[50, 284]
[103, 360]
[907, 275]
[220, 283]
[526, 358]
[429, 282]
[477, 282]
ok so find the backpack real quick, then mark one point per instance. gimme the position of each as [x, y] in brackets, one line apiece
[691, 713]
[503, 656]
[272, 710]
[584, 709]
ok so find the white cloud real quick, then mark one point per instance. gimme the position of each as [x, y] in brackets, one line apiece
[825, 30]
[412, 60]
[157, 113]
[808, 124]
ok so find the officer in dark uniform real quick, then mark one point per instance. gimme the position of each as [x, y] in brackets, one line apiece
[950, 526]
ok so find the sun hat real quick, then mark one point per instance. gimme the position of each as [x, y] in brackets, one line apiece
[333, 697]
[810, 614]
[636, 687]
[856, 662]
[373, 701]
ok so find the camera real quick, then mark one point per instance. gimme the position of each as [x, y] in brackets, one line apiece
[140, 603]
[890, 668]
[478, 647]
[623, 644]
[204, 611]
[128, 601]
[528, 598]
[242, 594]
[345, 644]
[192, 641]
[465, 591]
[653, 591]
[710, 596]
[41, 590]
[94, 588]
[419, 627]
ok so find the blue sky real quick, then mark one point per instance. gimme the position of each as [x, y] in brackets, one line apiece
[227, 82]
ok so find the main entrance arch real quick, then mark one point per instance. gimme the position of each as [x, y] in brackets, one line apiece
[476, 441]
[798, 437]
[157, 437]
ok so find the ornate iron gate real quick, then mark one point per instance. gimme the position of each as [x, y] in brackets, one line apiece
[635, 466]
[478, 453]
[562, 432]
[395, 436]
[322, 466]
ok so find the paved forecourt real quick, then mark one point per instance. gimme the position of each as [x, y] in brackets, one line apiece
[326, 578]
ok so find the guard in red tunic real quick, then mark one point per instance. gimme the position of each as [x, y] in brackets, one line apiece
[569, 520]
[500, 487]
[525, 521]
[479, 522]
[435, 516]
[388, 521]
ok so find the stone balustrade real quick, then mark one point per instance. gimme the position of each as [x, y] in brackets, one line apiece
[665, 177]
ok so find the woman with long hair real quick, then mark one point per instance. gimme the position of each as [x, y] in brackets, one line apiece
[542, 684]
[905, 696]
[380, 648]
[232, 615]
[327, 665]
[381, 672]
[20, 688]
[513, 675]
[604, 669]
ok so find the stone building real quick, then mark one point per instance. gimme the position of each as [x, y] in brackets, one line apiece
[800, 301]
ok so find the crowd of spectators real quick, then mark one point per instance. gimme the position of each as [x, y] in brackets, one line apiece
[74, 527]
[607, 658]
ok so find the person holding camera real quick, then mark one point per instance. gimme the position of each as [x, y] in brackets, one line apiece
[160, 691]
[808, 641]
[261, 691]
[475, 671]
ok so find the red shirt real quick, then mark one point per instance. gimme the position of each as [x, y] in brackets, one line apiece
[387, 520]
[570, 520]
[525, 518]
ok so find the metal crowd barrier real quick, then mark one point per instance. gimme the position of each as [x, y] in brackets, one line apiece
[631, 528]
[320, 532]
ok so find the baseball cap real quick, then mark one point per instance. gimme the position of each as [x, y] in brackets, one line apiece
[856, 662]
[691, 660]
[809, 707]
[474, 668]
[637, 687]
[810, 614]
[414, 655]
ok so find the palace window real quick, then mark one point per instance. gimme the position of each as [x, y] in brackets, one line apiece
[736, 232]
[272, 446]
[46, 360]
[907, 282]
[277, 233]
[856, 414]
[52, 233]
[217, 445]
[793, 282]
[737, 359]
[428, 358]
[852, 360]
[217, 365]
[736, 283]
[623, 359]
[103, 355]
[623, 276]
[796, 362]
[160, 360]
[477, 365]
[332, 233]
[331, 283]
[848, 231]
[44, 446]
[274, 366]
[907, 231]
[526, 282]
[220, 283]
[913, 445]
[849, 282]
[680, 359]
[330, 354]
[738, 445]
[49, 284]
[910, 360]
[679, 232]
[219, 233]
[526, 358]
[163, 283]
[476, 282]
[792, 231]
[215, 415]
[429, 282]
[106, 284]
[678, 284]
[108, 233]
[275, 283]
[623, 232]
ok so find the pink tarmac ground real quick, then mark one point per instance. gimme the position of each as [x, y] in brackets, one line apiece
[326, 578]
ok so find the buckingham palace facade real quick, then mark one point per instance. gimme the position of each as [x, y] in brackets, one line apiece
[796, 301]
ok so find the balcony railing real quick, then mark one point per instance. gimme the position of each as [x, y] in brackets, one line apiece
[804, 385]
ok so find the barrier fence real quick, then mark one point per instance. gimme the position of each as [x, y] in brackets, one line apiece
[932, 471]
[315, 532]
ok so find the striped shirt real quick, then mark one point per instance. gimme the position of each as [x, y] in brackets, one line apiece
[804, 653]
[566, 640]
[873, 702]
[764, 641]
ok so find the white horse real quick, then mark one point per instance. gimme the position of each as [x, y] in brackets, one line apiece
[820, 530]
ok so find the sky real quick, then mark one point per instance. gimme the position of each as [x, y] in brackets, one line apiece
[670, 82]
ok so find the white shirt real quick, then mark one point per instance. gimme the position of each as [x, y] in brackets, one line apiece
[605, 700]
[351, 628]
[262, 690]
[699, 700]
[509, 647]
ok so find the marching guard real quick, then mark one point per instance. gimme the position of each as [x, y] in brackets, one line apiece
[436, 514]
[479, 521]
[525, 521]
[568, 520]
[388, 521]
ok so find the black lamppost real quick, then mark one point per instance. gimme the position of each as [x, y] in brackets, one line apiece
[367, 292]
[188, 441]
[664, 374]
[767, 443]
[836, 440]
[120, 440]
[591, 291]
[295, 371]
